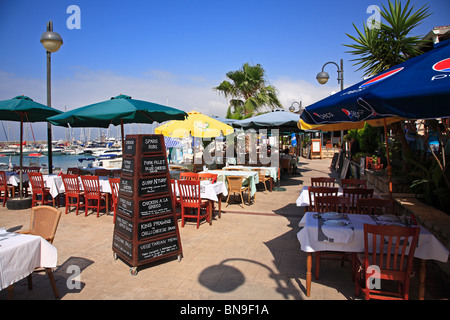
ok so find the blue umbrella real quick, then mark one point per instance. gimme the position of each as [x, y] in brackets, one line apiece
[286, 121]
[418, 88]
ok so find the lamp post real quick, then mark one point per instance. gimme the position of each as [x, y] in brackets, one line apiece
[322, 77]
[293, 109]
[51, 41]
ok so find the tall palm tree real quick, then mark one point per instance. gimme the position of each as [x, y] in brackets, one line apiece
[248, 90]
[379, 49]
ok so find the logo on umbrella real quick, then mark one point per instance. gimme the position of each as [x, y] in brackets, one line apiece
[201, 125]
[443, 65]
[381, 77]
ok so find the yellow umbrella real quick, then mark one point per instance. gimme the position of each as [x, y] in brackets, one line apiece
[196, 125]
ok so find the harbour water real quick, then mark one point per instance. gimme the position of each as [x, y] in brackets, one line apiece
[59, 161]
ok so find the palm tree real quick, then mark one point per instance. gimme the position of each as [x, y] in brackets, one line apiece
[248, 90]
[379, 49]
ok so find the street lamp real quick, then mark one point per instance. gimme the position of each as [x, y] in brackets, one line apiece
[322, 77]
[51, 41]
[292, 107]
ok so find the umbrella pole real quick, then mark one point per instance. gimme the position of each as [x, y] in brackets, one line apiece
[123, 138]
[389, 168]
[21, 156]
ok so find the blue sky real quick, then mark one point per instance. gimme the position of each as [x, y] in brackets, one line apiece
[174, 52]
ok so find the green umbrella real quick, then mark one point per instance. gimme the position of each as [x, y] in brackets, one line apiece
[24, 109]
[118, 110]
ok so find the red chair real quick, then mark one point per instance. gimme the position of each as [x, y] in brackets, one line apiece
[354, 183]
[176, 203]
[5, 188]
[188, 176]
[208, 176]
[323, 182]
[355, 194]
[73, 170]
[92, 194]
[314, 192]
[39, 190]
[72, 191]
[114, 183]
[101, 172]
[391, 250]
[190, 199]
[374, 206]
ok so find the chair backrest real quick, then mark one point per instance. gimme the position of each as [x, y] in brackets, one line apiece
[323, 182]
[33, 169]
[101, 172]
[114, 183]
[188, 176]
[354, 183]
[36, 180]
[115, 173]
[261, 174]
[71, 183]
[356, 193]
[208, 176]
[91, 185]
[73, 171]
[314, 192]
[234, 183]
[44, 222]
[189, 191]
[375, 206]
[396, 244]
[3, 181]
[331, 204]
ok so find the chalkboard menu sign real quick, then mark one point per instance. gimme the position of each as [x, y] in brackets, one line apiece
[146, 227]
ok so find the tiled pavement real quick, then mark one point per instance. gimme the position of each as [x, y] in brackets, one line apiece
[250, 253]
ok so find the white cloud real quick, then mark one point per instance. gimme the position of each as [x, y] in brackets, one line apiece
[179, 91]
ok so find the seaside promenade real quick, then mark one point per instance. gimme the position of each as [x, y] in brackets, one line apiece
[250, 253]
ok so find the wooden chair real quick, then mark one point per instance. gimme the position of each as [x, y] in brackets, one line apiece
[190, 199]
[314, 192]
[356, 193]
[324, 204]
[353, 183]
[208, 176]
[235, 186]
[44, 222]
[115, 173]
[323, 182]
[39, 189]
[92, 194]
[263, 179]
[374, 206]
[33, 169]
[188, 176]
[73, 171]
[331, 204]
[391, 249]
[176, 203]
[101, 172]
[72, 191]
[5, 188]
[114, 183]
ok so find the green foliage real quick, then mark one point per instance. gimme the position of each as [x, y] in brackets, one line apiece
[248, 91]
[379, 49]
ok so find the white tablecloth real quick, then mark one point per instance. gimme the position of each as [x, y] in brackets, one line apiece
[251, 176]
[13, 178]
[20, 254]
[303, 198]
[429, 248]
[56, 184]
[209, 190]
[270, 171]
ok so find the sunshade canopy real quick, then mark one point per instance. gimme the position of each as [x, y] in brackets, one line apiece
[418, 88]
[11, 110]
[196, 125]
[271, 120]
[118, 110]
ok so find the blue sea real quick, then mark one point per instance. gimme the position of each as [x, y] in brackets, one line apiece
[59, 161]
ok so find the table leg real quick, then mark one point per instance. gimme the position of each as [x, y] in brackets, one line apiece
[219, 196]
[422, 275]
[308, 273]
[211, 206]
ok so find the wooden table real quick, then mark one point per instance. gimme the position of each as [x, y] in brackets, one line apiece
[429, 248]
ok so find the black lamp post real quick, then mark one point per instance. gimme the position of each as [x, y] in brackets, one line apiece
[51, 41]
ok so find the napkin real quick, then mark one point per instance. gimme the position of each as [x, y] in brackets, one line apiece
[335, 230]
